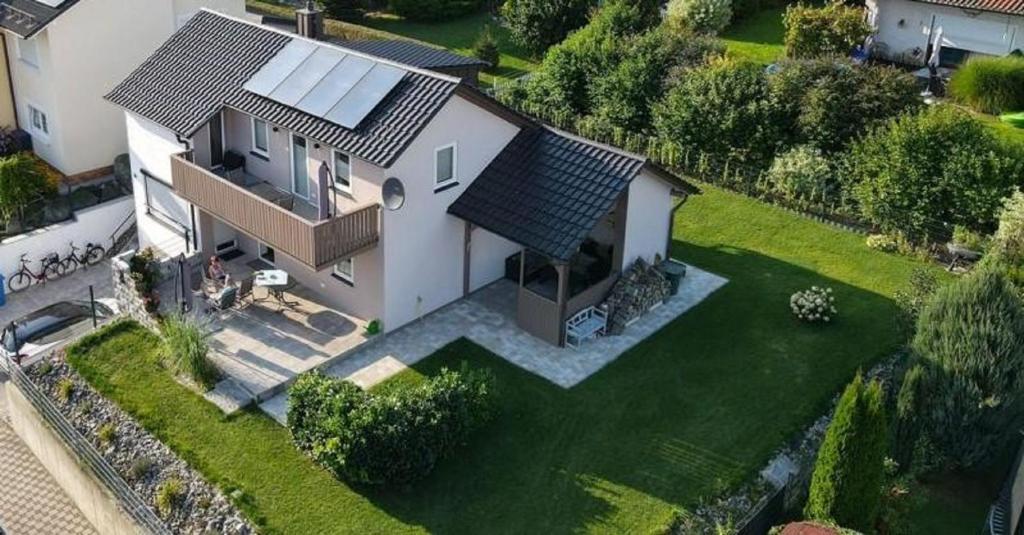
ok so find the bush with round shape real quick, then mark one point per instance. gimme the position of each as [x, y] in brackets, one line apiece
[814, 305]
[168, 496]
[537, 25]
[486, 49]
[833, 29]
[846, 486]
[920, 174]
[970, 342]
[990, 84]
[721, 109]
[390, 438]
[702, 16]
[431, 10]
[803, 176]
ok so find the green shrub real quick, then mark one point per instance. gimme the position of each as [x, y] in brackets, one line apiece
[64, 389]
[168, 496]
[803, 176]
[846, 486]
[45, 367]
[912, 300]
[1008, 241]
[185, 350]
[814, 305]
[887, 243]
[990, 84]
[22, 181]
[486, 48]
[970, 342]
[391, 438]
[721, 109]
[140, 467]
[432, 10]
[106, 433]
[830, 30]
[970, 239]
[537, 25]
[702, 16]
[921, 172]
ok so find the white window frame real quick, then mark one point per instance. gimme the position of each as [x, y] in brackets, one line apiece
[32, 58]
[32, 109]
[349, 277]
[455, 166]
[265, 152]
[347, 188]
[259, 252]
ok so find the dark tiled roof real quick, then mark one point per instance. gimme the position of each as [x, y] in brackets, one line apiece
[203, 67]
[1010, 7]
[26, 17]
[414, 54]
[547, 190]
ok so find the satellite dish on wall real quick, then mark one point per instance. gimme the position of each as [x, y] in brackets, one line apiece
[393, 192]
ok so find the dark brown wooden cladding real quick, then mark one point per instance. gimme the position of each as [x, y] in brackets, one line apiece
[317, 244]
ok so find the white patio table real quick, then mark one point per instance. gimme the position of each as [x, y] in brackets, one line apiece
[277, 282]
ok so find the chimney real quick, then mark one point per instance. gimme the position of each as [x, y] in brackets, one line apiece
[309, 21]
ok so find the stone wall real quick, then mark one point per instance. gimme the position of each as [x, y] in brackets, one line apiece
[126, 293]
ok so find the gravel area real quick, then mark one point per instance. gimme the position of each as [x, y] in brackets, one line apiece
[142, 460]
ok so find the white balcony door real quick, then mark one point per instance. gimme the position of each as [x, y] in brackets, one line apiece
[300, 167]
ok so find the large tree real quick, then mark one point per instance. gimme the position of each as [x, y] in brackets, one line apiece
[846, 486]
[537, 25]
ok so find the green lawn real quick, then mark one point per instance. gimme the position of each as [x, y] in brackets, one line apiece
[690, 412]
[457, 35]
[757, 37]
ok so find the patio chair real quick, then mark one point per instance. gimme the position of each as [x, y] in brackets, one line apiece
[245, 290]
[223, 300]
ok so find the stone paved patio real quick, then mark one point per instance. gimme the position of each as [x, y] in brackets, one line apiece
[30, 500]
[262, 348]
[487, 317]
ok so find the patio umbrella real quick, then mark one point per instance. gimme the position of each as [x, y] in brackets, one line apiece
[935, 58]
[185, 272]
[323, 183]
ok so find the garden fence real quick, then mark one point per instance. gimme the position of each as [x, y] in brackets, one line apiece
[130, 502]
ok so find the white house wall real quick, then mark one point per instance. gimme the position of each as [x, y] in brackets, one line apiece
[85, 52]
[151, 149]
[647, 219]
[488, 252]
[986, 33]
[423, 245]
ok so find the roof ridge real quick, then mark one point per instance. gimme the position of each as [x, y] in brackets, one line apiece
[597, 144]
[332, 44]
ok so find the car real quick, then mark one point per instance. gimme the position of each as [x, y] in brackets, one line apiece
[30, 337]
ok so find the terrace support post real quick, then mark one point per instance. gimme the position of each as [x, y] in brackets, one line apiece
[562, 298]
[467, 257]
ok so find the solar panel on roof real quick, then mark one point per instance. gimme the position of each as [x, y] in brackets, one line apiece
[280, 67]
[309, 73]
[365, 95]
[337, 83]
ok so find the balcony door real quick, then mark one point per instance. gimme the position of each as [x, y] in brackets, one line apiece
[300, 167]
[216, 142]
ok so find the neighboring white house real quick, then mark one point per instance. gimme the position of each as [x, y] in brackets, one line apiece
[432, 185]
[63, 56]
[905, 28]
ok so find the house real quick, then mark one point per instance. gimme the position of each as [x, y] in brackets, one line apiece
[905, 30]
[62, 56]
[389, 189]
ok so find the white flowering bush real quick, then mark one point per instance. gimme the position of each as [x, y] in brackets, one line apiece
[814, 305]
[702, 16]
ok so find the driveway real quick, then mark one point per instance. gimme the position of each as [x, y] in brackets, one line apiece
[74, 287]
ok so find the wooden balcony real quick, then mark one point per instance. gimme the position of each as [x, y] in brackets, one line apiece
[317, 244]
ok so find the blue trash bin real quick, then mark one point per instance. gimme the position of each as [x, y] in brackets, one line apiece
[3, 288]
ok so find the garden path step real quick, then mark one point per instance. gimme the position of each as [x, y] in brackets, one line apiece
[230, 396]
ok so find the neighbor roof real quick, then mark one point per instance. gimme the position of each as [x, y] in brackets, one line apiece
[203, 68]
[548, 189]
[415, 54]
[1010, 7]
[26, 17]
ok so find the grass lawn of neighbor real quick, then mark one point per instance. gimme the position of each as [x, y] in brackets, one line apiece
[757, 37]
[689, 413]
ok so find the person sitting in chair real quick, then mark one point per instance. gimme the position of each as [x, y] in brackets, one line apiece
[215, 270]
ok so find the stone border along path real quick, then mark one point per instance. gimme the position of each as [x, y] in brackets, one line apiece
[487, 317]
[31, 501]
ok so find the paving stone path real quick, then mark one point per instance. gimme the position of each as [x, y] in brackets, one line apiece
[31, 502]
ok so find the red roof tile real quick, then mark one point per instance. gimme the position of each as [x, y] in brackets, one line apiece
[1011, 7]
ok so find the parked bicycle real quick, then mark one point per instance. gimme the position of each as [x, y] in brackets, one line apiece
[25, 277]
[93, 254]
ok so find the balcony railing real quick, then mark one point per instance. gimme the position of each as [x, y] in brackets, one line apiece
[317, 244]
